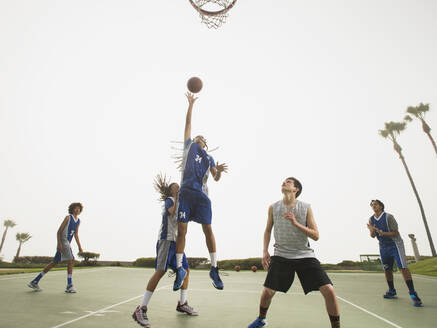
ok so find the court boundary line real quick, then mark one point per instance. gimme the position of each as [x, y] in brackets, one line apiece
[57, 272]
[369, 312]
[104, 309]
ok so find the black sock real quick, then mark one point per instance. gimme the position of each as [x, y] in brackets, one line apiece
[391, 286]
[410, 285]
[263, 312]
[335, 321]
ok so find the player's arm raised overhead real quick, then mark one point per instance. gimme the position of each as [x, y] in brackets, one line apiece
[267, 236]
[191, 100]
[76, 236]
[310, 229]
[61, 228]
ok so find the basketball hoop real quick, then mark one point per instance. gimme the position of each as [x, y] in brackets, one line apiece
[215, 17]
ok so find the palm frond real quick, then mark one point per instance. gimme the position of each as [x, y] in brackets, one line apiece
[408, 118]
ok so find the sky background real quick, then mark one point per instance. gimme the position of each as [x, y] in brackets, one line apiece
[92, 94]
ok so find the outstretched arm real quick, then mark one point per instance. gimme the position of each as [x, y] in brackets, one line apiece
[267, 236]
[191, 100]
[76, 236]
[217, 171]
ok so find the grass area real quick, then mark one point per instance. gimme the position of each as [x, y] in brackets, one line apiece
[426, 267]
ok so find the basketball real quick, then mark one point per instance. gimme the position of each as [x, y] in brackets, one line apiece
[237, 268]
[194, 84]
[254, 268]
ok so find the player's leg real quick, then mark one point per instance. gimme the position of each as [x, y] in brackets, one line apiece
[70, 288]
[210, 243]
[180, 246]
[312, 278]
[387, 260]
[183, 302]
[401, 262]
[34, 283]
[140, 313]
[331, 304]
[279, 278]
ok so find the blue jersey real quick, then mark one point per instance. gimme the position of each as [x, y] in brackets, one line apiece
[195, 167]
[387, 223]
[70, 229]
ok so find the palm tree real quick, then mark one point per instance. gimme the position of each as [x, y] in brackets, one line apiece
[419, 113]
[8, 224]
[391, 131]
[22, 238]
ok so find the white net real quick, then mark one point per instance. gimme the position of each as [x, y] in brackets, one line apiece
[212, 12]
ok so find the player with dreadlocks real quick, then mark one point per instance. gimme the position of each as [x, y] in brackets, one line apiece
[165, 251]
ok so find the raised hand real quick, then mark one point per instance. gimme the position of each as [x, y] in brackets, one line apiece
[221, 167]
[371, 227]
[191, 98]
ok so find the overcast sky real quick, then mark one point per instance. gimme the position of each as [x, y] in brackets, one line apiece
[92, 94]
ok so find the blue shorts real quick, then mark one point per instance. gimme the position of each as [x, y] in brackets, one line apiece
[194, 206]
[391, 253]
[166, 256]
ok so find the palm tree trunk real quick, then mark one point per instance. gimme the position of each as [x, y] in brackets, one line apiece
[427, 130]
[3, 238]
[422, 211]
[18, 250]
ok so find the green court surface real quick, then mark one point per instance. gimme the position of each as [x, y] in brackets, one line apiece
[107, 297]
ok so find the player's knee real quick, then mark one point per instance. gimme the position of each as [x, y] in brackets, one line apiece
[207, 229]
[327, 291]
[269, 292]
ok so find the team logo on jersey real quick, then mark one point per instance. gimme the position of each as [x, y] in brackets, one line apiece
[182, 215]
[198, 158]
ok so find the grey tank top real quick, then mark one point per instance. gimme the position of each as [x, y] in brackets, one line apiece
[290, 242]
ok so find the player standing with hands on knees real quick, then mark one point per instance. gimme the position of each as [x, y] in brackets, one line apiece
[194, 203]
[293, 223]
[384, 227]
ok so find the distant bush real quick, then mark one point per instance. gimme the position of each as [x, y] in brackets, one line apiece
[194, 262]
[149, 262]
[244, 264]
[87, 256]
[117, 263]
[33, 259]
[144, 262]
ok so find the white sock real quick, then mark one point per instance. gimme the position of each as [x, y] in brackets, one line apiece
[184, 293]
[179, 259]
[146, 298]
[213, 259]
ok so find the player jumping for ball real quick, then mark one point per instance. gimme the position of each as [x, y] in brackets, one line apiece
[384, 227]
[194, 203]
[165, 252]
[68, 229]
[293, 223]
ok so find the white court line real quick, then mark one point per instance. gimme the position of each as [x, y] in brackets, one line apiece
[104, 309]
[368, 312]
[425, 278]
[57, 272]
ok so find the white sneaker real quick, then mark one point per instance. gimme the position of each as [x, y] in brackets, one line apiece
[140, 316]
[34, 286]
[185, 308]
[70, 289]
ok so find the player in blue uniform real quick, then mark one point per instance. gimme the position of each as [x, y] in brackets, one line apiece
[384, 227]
[194, 203]
[68, 229]
[165, 252]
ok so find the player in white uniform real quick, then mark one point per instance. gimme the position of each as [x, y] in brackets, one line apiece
[68, 229]
[165, 252]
